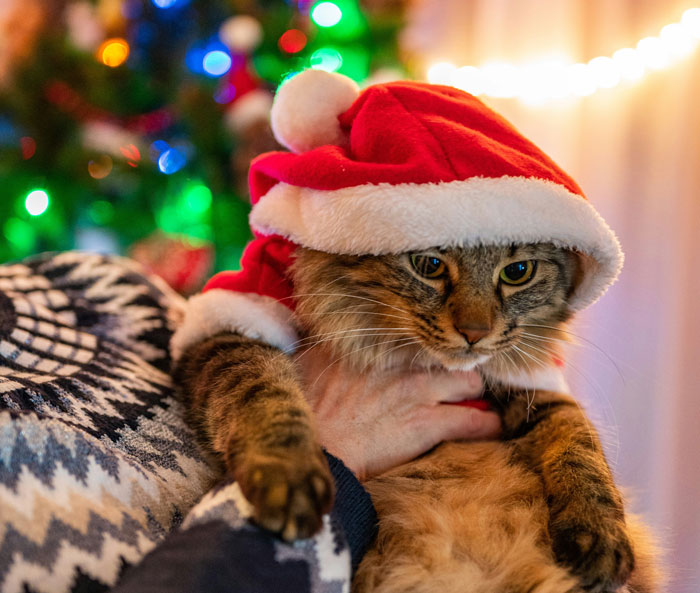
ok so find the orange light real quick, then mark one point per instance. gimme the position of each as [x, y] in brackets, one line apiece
[113, 52]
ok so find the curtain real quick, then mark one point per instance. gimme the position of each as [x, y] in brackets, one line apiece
[635, 150]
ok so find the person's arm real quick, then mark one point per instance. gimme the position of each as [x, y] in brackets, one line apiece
[214, 557]
[373, 423]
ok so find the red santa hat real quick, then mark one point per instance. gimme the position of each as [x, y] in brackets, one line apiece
[397, 167]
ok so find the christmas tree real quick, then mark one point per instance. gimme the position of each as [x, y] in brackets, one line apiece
[128, 125]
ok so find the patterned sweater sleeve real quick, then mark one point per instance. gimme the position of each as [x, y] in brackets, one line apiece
[219, 550]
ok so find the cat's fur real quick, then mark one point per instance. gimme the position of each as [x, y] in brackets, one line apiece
[536, 512]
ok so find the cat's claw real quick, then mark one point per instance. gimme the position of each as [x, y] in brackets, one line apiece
[289, 493]
[600, 555]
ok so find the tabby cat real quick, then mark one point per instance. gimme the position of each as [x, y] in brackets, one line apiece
[535, 512]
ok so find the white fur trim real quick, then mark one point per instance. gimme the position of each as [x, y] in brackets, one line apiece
[218, 310]
[549, 379]
[386, 218]
[306, 109]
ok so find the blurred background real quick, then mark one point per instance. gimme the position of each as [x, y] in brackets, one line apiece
[126, 126]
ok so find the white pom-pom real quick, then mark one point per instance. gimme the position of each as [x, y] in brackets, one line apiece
[306, 109]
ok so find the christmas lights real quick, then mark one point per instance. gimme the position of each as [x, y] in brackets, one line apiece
[557, 78]
[36, 202]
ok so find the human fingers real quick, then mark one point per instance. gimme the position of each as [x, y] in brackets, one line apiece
[455, 422]
[445, 386]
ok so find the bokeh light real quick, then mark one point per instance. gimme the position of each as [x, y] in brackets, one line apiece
[157, 148]
[101, 212]
[629, 63]
[165, 3]
[100, 167]
[198, 198]
[540, 81]
[441, 73]
[691, 21]
[171, 161]
[292, 41]
[605, 72]
[28, 146]
[653, 53]
[36, 202]
[113, 52]
[20, 234]
[326, 58]
[326, 14]
[225, 94]
[216, 63]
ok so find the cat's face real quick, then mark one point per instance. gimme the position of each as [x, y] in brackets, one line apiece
[455, 307]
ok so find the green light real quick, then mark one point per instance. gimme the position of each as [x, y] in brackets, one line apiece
[101, 212]
[21, 234]
[326, 14]
[326, 58]
[198, 199]
[36, 202]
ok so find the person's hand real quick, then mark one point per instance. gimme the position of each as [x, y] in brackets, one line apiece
[374, 422]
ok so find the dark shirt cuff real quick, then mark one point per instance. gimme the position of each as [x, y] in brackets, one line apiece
[353, 509]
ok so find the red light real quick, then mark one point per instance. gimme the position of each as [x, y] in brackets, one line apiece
[292, 41]
[28, 146]
[131, 152]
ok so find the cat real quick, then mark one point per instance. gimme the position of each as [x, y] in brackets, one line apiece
[534, 512]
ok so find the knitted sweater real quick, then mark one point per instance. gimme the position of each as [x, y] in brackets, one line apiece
[213, 558]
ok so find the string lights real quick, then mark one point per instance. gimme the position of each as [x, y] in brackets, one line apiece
[558, 77]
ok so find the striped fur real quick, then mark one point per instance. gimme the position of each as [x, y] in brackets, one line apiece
[537, 512]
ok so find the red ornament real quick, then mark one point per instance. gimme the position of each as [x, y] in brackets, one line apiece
[184, 264]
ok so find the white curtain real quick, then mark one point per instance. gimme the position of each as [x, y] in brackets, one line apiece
[635, 150]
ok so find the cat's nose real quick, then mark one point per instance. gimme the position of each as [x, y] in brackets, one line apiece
[474, 333]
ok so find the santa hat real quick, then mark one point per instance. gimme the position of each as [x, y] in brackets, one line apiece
[397, 167]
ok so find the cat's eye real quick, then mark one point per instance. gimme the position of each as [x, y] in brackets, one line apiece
[518, 272]
[427, 265]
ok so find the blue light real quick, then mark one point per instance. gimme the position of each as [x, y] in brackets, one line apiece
[171, 161]
[157, 148]
[196, 54]
[194, 59]
[164, 3]
[216, 63]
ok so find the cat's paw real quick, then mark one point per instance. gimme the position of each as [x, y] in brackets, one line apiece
[289, 493]
[598, 553]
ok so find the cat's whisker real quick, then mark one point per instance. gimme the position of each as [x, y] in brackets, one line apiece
[337, 338]
[565, 342]
[513, 365]
[413, 360]
[587, 341]
[593, 384]
[310, 338]
[352, 296]
[353, 312]
[575, 369]
[389, 351]
[355, 352]
[522, 353]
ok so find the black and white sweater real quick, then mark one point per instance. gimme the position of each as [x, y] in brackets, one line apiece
[102, 484]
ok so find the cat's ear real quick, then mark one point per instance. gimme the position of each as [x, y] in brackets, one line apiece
[581, 265]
